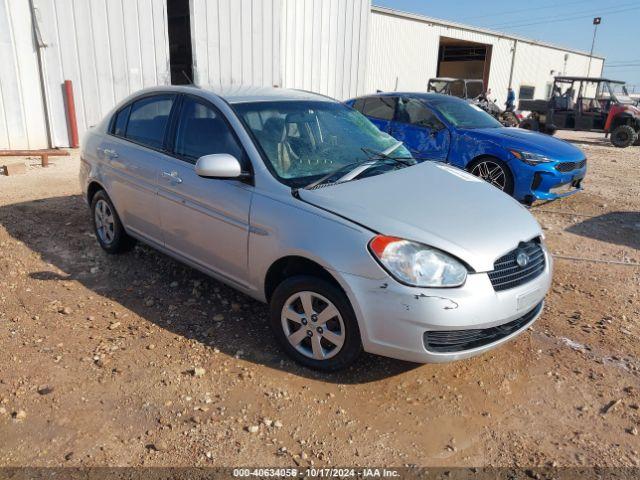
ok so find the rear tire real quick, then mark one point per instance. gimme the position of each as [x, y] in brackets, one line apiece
[623, 136]
[305, 334]
[493, 171]
[107, 225]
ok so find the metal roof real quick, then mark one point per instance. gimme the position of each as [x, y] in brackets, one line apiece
[591, 79]
[462, 26]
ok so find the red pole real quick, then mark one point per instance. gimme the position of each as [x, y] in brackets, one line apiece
[71, 114]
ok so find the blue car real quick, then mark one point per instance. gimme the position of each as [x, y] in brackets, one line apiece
[527, 165]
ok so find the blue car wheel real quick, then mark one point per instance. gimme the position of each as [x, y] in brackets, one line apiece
[493, 171]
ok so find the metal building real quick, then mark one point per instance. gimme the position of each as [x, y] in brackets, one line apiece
[341, 48]
[405, 50]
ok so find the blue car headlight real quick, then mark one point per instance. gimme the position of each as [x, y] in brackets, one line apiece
[530, 158]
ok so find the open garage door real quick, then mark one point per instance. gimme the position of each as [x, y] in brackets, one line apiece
[464, 59]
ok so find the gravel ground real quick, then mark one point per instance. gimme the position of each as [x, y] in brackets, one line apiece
[137, 360]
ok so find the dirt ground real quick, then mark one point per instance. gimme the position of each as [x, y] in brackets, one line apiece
[97, 354]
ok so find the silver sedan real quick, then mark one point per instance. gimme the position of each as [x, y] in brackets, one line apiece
[300, 202]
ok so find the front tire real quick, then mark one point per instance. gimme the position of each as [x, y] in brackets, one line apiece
[623, 136]
[107, 225]
[493, 171]
[314, 323]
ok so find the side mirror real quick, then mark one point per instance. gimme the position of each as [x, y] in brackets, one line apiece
[219, 165]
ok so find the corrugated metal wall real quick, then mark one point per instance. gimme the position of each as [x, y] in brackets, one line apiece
[107, 48]
[534, 64]
[325, 46]
[236, 42]
[22, 117]
[317, 45]
[403, 55]
[111, 48]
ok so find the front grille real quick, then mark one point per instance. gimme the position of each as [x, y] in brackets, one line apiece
[460, 340]
[507, 273]
[571, 166]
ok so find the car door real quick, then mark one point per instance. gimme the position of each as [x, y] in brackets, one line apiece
[380, 111]
[130, 156]
[420, 130]
[204, 220]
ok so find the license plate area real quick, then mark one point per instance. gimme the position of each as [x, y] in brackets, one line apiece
[528, 300]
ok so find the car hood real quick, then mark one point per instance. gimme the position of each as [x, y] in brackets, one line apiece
[437, 205]
[534, 142]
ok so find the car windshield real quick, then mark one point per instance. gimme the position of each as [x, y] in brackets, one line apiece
[621, 94]
[303, 141]
[463, 114]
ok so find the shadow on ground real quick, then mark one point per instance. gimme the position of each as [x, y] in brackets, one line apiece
[619, 228]
[58, 229]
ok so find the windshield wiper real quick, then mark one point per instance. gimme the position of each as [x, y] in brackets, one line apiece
[334, 172]
[387, 154]
[360, 166]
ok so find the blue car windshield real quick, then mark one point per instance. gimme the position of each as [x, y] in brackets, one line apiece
[305, 140]
[462, 114]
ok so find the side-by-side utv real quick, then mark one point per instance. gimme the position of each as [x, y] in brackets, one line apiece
[586, 104]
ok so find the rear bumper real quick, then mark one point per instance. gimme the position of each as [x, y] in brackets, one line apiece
[394, 318]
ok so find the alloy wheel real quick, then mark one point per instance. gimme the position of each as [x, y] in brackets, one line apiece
[105, 223]
[491, 172]
[313, 325]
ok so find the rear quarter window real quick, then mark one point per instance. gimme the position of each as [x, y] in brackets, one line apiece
[382, 108]
[120, 122]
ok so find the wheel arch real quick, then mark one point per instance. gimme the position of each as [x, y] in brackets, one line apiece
[93, 188]
[623, 119]
[484, 156]
[291, 265]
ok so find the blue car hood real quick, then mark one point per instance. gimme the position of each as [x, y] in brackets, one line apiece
[526, 140]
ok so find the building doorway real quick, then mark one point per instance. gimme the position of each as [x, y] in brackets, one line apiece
[464, 59]
[180, 50]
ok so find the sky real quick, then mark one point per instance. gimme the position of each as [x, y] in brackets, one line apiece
[565, 23]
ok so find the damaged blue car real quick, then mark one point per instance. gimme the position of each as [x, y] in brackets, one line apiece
[527, 165]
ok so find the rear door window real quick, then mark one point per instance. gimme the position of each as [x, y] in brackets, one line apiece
[382, 108]
[148, 120]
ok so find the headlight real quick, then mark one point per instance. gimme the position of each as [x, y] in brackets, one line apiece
[530, 158]
[416, 264]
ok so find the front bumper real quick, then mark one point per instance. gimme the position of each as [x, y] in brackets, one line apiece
[545, 182]
[394, 318]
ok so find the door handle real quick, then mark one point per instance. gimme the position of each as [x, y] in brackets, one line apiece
[173, 176]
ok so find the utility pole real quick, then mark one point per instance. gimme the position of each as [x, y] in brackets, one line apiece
[596, 21]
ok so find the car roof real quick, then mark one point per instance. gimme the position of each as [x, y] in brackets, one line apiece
[241, 93]
[420, 95]
[250, 94]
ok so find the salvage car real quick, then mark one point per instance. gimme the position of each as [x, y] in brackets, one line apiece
[301, 202]
[527, 165]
